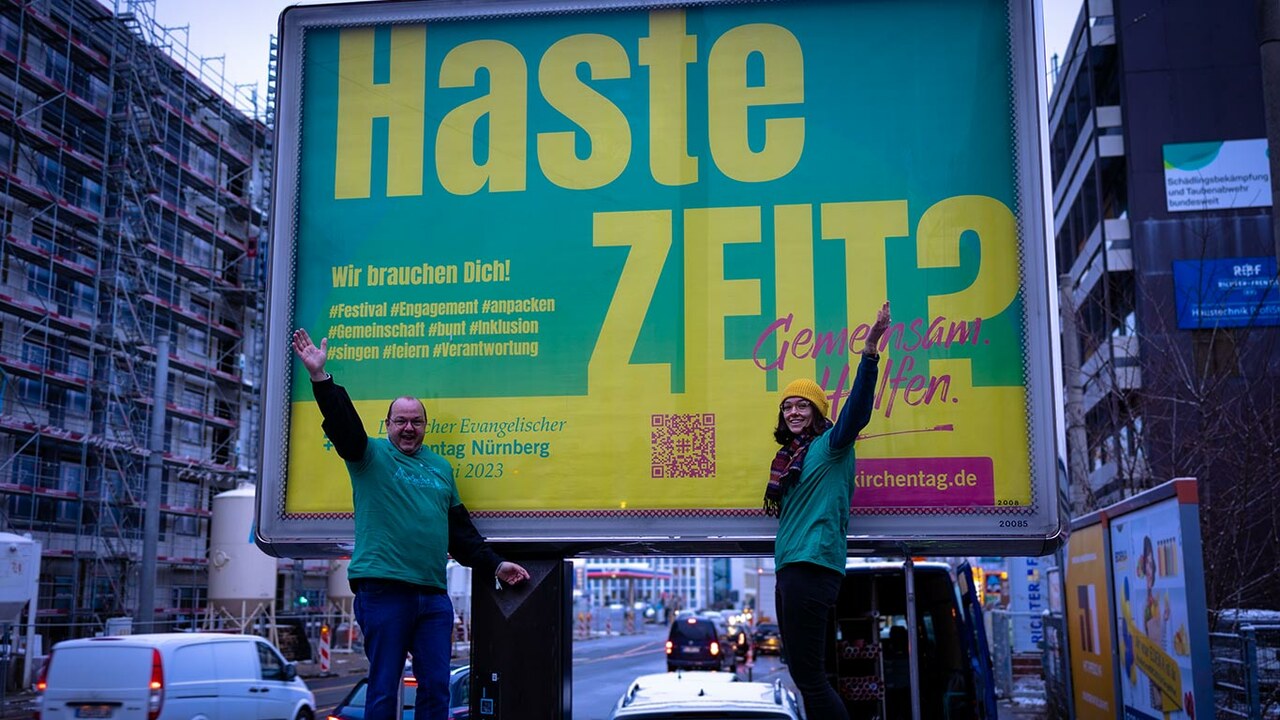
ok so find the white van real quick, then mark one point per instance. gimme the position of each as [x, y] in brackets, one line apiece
[171, 676]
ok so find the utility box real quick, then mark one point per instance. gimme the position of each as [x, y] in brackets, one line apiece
[522, 647]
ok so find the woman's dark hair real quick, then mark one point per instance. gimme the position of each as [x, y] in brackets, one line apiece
[783, 434]
[1147, 563]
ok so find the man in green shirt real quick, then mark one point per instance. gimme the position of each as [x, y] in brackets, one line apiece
[408, 519]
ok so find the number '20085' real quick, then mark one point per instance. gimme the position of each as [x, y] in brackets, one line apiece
[1013, 523]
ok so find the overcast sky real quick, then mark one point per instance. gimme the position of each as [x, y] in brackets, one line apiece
[240, 31]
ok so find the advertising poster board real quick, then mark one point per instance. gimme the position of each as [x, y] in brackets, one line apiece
[597, 244]
[1217, 175]
[1158, 604]
[1088, 619]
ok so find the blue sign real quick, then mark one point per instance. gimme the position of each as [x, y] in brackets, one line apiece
[1227, 292]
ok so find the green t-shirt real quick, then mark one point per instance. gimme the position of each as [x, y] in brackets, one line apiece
[814, 526]
[402, 514]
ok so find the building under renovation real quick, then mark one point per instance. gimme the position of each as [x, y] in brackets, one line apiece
[134, 186]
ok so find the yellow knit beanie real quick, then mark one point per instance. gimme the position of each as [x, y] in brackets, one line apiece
[809, 390]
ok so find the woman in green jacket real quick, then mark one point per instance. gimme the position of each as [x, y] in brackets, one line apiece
[810, 488]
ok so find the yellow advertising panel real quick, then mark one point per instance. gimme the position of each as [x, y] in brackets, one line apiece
[1088, 618]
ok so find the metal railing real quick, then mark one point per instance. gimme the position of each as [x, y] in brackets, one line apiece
[1246, 672]
[1002, 627]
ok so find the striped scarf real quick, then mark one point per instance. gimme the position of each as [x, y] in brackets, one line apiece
[784, 472]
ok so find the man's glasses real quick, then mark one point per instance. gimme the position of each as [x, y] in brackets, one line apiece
[401, 422]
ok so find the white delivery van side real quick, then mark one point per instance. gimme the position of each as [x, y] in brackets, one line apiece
[172, 676]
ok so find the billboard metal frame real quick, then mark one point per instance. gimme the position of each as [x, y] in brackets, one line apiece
[733, 533]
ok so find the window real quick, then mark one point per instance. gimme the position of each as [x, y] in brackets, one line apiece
[272, 663]
[76, 403]
[201, 161]
[189, 598]
[39, 282]
[49, 173]
[10, 37]
[77, 367]
[26, 470]
[167, 290]
[40, 240]
[70, 477]
[193, 398]
[57, 592]
[30, 391]
[196, 341]
[184, 525]
[34, 354]
[90, 195]
[112, 486]
[190, 432]
[199, 252]
[83, 297]
[55, 65]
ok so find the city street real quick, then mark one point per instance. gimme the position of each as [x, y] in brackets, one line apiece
[603, 667]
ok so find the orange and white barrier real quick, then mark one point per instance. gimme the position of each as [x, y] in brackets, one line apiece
[324, 648]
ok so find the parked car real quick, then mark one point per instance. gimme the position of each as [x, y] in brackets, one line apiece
[710, 695]
[166, 676]
[767, 639]
[694, 643]
[352, 706]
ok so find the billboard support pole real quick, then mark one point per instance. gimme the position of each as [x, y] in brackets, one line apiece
[1269, 49]
[913, 637]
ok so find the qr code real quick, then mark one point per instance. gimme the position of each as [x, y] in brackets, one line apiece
[683, 445]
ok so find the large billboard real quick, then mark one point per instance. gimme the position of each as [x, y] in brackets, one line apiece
[598, 243]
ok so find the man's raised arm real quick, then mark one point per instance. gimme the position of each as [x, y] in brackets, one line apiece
[342, 423]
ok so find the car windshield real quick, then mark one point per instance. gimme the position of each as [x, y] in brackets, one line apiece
[358, 697]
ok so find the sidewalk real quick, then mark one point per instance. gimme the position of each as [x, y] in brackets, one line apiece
[1027, 702]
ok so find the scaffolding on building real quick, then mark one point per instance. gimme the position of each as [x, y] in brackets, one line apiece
[133, 178]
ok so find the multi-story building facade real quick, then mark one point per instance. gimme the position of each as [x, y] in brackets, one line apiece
[133, 195]
[1164, 241]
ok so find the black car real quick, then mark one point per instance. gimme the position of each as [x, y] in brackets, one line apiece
[694, 644]
[767, 639]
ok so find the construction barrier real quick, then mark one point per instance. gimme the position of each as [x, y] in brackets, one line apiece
[324, 648]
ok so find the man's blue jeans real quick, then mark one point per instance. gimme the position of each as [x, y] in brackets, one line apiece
[397, 618]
